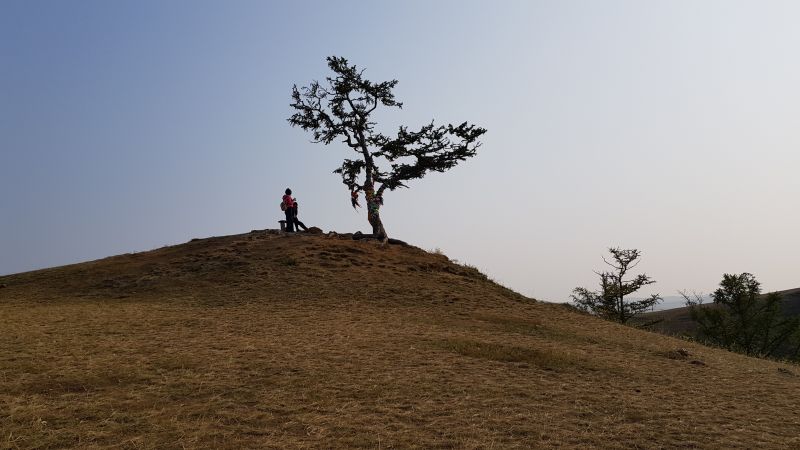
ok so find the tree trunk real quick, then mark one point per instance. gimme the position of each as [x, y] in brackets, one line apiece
[374, 215]
[622, 318]
[377, 225]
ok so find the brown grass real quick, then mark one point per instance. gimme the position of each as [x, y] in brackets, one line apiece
[266, 341]
[543, 358]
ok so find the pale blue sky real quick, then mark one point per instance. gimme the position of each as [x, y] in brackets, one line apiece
[668, 126]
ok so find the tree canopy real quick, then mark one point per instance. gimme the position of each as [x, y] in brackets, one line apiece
[340, 110]
[743, 320]
[609, 302]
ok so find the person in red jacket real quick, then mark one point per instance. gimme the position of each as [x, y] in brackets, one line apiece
[288, 208]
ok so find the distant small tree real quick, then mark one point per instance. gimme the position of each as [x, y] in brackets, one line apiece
[342, 109]
[741, 319]
[609, 302]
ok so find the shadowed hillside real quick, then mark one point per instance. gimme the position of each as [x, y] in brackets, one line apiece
[272, 341]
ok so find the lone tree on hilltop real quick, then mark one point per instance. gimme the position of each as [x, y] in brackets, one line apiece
[341, 109]
[741, 319]
[609, 303]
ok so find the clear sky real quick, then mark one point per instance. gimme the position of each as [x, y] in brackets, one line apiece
[668, 126]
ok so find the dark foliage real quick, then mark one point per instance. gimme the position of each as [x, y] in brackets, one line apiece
[741, 319]
[609, 303]
[340, 109]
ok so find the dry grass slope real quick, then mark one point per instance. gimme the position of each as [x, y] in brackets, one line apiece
[266, 341]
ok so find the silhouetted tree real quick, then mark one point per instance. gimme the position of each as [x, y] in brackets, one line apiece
[610, 302]
[743, 320]
[342, 108]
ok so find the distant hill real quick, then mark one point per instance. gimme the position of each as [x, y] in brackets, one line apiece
[670, 302]
[265, 340]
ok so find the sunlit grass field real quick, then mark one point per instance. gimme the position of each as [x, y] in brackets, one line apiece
[264, 340]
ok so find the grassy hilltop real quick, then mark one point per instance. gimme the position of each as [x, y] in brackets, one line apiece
[270, 341]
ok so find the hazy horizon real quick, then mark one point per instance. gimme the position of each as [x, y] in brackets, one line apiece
[667, 127]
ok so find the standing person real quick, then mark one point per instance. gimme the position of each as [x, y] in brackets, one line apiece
[288, 208]
[297, 223]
